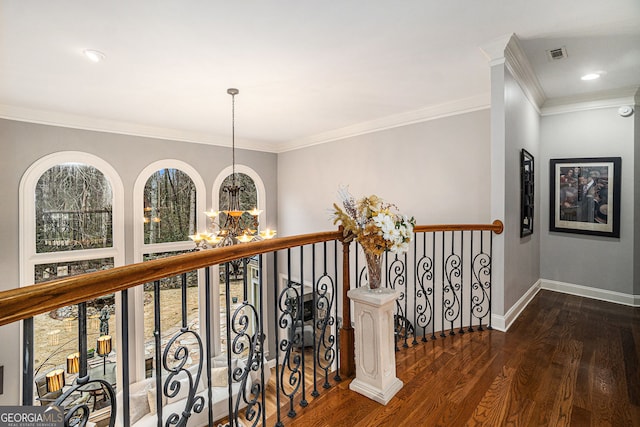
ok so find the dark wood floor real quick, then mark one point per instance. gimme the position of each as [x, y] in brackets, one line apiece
[566, 361]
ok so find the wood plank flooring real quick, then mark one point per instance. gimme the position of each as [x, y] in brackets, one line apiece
[566, 361]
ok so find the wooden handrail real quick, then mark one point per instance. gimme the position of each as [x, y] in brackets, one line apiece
[21, 303]
[28, 301]
[497, 227]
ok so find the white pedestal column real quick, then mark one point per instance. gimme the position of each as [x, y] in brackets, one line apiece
[374, 347]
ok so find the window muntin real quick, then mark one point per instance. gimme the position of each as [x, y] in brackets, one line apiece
[72, 174]
[57, 270]
[147, 204]
[56, 332]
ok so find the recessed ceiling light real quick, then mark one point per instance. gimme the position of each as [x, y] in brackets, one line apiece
[94, 55]
[590, 76]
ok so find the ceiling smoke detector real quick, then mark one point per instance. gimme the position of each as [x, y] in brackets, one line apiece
[625, 111]
[556, 54]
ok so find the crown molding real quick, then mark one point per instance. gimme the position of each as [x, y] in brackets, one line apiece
[522, 71]
[508, 51]
[73, 121]
[592, 101]
[52, 118]
[494, 50]
[452, 108]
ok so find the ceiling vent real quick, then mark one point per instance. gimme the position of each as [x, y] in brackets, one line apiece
[557, 54]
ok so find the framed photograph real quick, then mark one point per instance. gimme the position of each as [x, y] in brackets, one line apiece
[585, 196]
[526, 193]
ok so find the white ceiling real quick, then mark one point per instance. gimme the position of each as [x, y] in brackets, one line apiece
[306, 71]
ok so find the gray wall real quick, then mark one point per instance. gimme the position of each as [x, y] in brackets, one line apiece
[497, 187]
[521, 255]
[515, 125]
[636, 199]
[438, 171]
[598, 262]
[21, 144]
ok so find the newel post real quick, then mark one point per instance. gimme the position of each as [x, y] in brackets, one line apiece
[347, 337]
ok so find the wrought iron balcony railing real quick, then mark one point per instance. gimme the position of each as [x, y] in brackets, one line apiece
[288, 319]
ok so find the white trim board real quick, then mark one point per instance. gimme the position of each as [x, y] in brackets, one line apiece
[503, 323]
[592, 101]
[455, 107]
[76, 121]
[447, 109]
[589, 292]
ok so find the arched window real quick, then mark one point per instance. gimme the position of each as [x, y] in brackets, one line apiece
[247, 197]
[71, 223]
[254, 194]
[168, 206]
[251, 196]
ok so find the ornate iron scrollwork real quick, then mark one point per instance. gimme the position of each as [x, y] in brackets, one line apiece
[174, 363]
[450, 299]
[288, 303]
[396, 279]
[78, 413]
[243, 318]
[480, 300]
[424, 308]
[324, 302]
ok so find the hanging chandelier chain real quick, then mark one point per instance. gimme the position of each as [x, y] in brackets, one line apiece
[235, 226]
[233, 137]
[233, 92]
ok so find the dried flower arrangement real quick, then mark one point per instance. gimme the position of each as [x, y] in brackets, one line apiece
[376, 225]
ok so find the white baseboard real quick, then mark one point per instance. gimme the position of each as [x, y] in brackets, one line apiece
[497, 322]
[503, 323]
[594, 293]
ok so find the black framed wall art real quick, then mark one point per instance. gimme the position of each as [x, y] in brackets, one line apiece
[526, 193]
[585, 196]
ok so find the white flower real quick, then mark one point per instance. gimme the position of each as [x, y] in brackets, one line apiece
[403, 247]
[395, 231]
[384, 222]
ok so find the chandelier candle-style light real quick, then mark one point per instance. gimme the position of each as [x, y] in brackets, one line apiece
[233, 225]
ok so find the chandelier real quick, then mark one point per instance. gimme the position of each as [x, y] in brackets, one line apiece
[233, 225]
